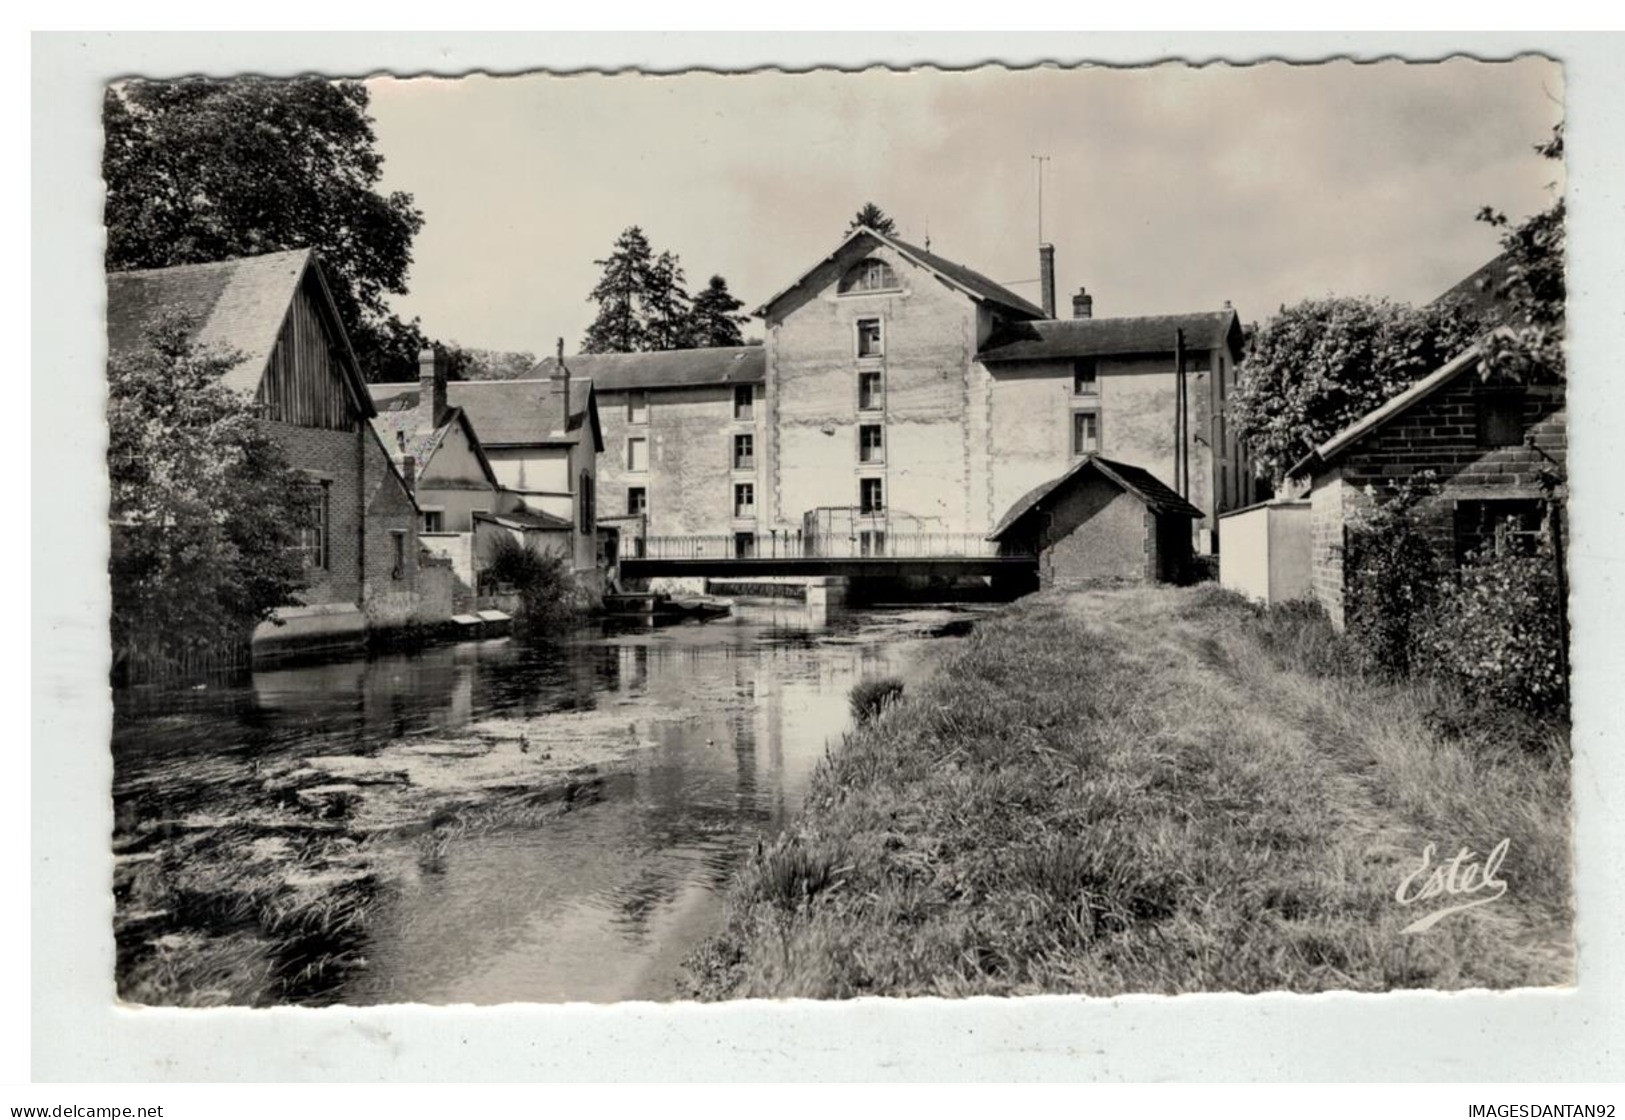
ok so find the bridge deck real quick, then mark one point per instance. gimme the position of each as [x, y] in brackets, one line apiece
[871, 555]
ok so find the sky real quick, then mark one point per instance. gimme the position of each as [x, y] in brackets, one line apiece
[1167, 189]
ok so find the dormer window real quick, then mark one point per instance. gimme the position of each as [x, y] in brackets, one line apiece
[869, 275]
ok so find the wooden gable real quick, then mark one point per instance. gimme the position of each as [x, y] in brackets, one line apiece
[305, 382]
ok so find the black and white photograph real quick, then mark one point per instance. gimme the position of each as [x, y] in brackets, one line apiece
[702, 536]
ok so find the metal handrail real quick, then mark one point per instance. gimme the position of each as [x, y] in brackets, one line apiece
[860, 545]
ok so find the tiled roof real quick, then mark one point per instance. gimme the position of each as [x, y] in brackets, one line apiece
[1137, 481]
[527, 519]
[505, 412]
[966, 279]
[664, 369]
[1388, 410]
[237, 305]
[1086, 338]
[1478, 290]
[422, 443]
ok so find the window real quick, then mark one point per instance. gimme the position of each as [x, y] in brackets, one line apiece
[744, 546]
[869, 341]
[1085, 381]
[637, 407]
[1500, 419]
[871, 495]
[637, 454]
[869, 275]
[433, 520]
[871, 447]
[313, 527]
[398, 539]
[745, 499]
[744, 452]
[588, 491]
[1502, 524]
[1085, 433]
[637, 500]
[744, 402]
[872, 542]
[871, 390]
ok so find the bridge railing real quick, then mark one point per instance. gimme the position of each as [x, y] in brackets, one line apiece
[824, 546]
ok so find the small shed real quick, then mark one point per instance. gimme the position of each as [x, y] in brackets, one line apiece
[1264, 550]
[1101, 521]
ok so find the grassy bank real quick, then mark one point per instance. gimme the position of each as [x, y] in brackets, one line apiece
[1154, 790]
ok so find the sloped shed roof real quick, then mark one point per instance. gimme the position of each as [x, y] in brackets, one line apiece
[1137, 481]
[1046, 339]
[238, 305]
[664, 369]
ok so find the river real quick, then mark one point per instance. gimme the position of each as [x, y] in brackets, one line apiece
[681, 747]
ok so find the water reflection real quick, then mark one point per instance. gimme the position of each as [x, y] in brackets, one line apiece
[600, 903]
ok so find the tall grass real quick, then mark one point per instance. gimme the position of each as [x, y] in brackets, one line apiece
[1152, 790]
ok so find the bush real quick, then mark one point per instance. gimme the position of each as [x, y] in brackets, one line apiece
[1393, 579]
[548, 592]
[870, 696]
[1497, 632]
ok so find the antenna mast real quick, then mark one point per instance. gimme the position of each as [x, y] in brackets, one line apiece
[1040, 161]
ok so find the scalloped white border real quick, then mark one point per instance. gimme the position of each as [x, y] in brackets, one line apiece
[79, 1035]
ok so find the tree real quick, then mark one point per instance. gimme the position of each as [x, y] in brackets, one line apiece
[619, 293]
[202, 169]
[666, 306]
[466, 363]
[874, 217]
[1529, 347]
[714, 319]
[204, 507]
[1321, 364]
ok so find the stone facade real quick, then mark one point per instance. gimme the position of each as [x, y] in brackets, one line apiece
[1483, 444]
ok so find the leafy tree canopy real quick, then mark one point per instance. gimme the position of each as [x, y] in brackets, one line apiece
[1321, 364]
[204, 507]
[199, 170]
[874, 217]
[1530, 345]
[467, 363]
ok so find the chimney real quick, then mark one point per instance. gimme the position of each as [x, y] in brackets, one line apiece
[431, 390]
[409, 473]
[563, 376]
[1046, 278]
[1083, 305]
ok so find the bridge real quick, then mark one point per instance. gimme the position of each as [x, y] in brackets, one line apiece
[867, 555]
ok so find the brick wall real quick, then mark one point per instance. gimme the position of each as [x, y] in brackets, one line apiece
[1440, 435]
[389, 510]
[334, 457]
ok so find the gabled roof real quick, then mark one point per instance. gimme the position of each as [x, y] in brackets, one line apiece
[421, 443]
[237, 305]
[1395, 406]
[1048, 339]
[1137, 481]
[527, 519]
[664, 369]
[967, 280]
[1478, 291]
[512, 413]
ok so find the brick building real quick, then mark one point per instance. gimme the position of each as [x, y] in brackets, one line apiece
[275, 313]
[1487, 445]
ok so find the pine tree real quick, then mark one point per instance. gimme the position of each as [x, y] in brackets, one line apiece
[714, 318]
[666, 306]
[873, 217]
[620, 292]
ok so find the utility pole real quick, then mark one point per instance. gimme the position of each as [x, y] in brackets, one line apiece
[1040, 161]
